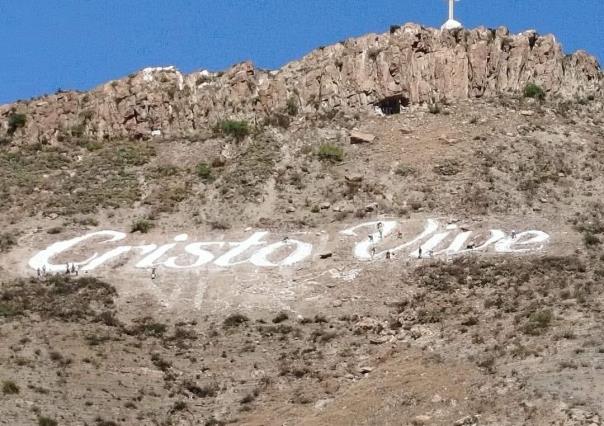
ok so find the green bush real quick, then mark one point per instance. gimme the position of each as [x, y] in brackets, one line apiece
[16, 121]
[141, 225]
[331, 153]
[531, 90]
[238, 129]
[204, 171]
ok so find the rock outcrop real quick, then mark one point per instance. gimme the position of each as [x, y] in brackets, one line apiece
[410, 64]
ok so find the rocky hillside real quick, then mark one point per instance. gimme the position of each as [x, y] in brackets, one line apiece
[410, 64]
[208, 183]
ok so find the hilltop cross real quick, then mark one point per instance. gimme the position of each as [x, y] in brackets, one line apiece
[451, 22]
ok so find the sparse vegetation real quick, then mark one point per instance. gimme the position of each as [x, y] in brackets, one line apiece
[78, 130]
[179, 406]
[278, 119]
[55, 230]
[9, 387]
[434, 108]
[46, 421]
[250, 397]
[591, 224]
[209, 390]
[234, 320]
[7, 241]
[538, 322]
[204, 171]
[141, 225]
[292, 106]
[281, 316]
[531, 90]
[104, 178]
[373, 53]
[60, 297]
[254, 166]
[149, 327]
[331, 153]
[405, 171]
[161, 363]
[238, 129]
[449, 167]
[16, 121]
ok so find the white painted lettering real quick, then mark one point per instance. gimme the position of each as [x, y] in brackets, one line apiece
[43, 258]
[302, 251]
[260, 253]
[203, 256]
[534, 242]
[226, 259]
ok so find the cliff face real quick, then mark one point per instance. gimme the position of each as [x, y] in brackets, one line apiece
[409, 64]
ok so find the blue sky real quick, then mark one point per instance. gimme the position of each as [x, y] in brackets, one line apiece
[78, 44]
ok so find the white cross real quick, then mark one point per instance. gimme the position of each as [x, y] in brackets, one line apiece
[451, 22]
[451, 8]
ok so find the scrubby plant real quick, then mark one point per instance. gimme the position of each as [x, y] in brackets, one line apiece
[538, 322]
[331, 153]
[46, 421]
[281, 316]
[9, 387]
[204, 391]
[278, 120]
[141, 225]
[92, 146]
[234, 320]
[148, 327]
[16, 121]
[78, 130]
[531, 90]
[7, 240]
[434, 108]
[132, 153]
[404, 170]
[591, 239]
[292, 106]
[179, 406]
[238, 129]
[373, 53]
[160, 363]
[204, 171]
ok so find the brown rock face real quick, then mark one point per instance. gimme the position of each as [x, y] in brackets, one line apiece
[410, 64]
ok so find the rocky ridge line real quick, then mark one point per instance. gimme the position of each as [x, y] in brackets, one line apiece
[410, 64]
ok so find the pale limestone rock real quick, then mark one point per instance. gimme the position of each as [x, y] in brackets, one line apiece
[357, 137]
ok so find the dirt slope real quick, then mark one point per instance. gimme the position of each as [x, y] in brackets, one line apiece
[479, 337]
